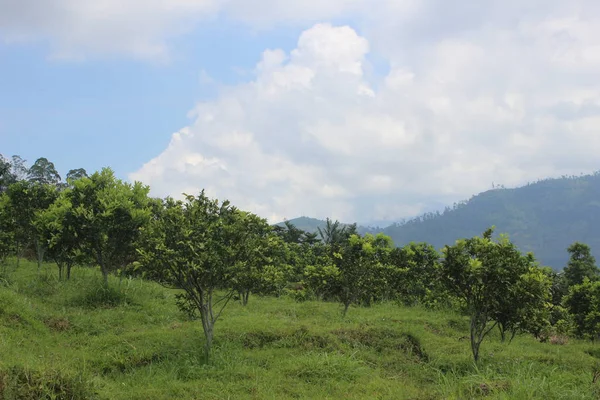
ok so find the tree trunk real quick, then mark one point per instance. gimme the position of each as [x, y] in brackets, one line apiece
[245, 297]
[39, 250]
[69, 265]
[502, 333]
[346, 306]
[60, 271]
[208, 335]
[102, 268]
[474, 342]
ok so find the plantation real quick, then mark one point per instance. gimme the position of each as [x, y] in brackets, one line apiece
[107, 292]
[76, 340]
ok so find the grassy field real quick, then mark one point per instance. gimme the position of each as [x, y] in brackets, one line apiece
[71, 340]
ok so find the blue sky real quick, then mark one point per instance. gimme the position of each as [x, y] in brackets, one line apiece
[117, 111]
[361, 110]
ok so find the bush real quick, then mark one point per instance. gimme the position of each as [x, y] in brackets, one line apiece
[22, 383]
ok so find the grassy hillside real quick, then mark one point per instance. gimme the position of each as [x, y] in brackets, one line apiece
[133, 343]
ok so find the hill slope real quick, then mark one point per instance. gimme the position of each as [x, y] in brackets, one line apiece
[543, 217]
[66, 340]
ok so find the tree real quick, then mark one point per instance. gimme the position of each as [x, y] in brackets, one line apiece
[18, 168]
[44, 172]
[334, 233]
[6, 231]
[419, 281]
[58, 230]
[197, 246]
[75, 174]
[256, 245]
[581, 264]
[108, 215]
[358, 261]
[583, 303]
[6, 176]
[487, 277]
[26, 199]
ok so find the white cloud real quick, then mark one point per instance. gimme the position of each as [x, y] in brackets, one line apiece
[478, 92]
[503, 104]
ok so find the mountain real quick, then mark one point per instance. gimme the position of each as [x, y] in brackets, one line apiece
[544, 217]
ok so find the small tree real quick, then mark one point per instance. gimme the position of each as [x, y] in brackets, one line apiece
[487, 277]
[359, 261]
[58, 230]
[26, 199]
[581, 264]
[196, 246]
[6, 232]
[107, 215]
[583, 303]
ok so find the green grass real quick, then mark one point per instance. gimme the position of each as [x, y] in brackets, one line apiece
[73, 340]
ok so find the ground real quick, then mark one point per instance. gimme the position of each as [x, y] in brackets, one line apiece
[72, 340]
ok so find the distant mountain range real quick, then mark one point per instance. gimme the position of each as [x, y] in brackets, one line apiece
[544, 217]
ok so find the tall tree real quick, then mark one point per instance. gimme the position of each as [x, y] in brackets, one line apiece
[581, 264]
[6, 176]
[44, 172]
[18, 168]
[75, 174]
[108, 215]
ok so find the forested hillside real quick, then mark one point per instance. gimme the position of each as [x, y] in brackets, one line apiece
[544, 217]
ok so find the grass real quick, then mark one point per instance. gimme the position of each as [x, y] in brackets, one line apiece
[72, 340]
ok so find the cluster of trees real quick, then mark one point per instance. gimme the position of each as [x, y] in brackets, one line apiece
[214, 253]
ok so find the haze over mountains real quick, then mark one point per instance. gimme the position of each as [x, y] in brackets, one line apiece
[544, 217]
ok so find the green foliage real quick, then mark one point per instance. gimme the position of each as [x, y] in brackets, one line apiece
[583, 303]
[202, 246]
[106, 216]
[497, 285]
[581, 265]
[542, 217]
[43, 172]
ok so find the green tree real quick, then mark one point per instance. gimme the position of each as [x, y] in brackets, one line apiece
[359, 262]
[107, 216]
[255, 246]
[26, 199]
[487, 277]
[43, 171]
[581, 264]
[58, 230]
[18, 168]
[6, 176]
[420, 282]
[197, 246]
[583, 303]
[6, 232]
[335, 233]
[75, 174]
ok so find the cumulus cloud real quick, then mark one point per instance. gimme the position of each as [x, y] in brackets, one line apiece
[477, 92]
[507, 101]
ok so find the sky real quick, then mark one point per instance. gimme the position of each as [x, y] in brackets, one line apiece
[359, 110]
